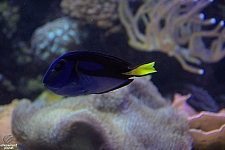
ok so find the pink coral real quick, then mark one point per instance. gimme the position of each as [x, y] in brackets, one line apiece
[208, 130]
[180, 103]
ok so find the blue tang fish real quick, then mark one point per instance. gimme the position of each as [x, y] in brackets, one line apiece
[84, 72]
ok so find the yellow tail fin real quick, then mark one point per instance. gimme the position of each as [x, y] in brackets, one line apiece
[142, 70]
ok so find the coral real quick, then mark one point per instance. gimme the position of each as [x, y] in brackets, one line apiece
[9, 17]
[200, 99]
[174, 27]
[100, 13]
[55, 38]
[5, 118]
[122, 119]
[180, 103]
[208, 130]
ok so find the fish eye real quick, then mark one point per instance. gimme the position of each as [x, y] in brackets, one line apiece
[60, 65]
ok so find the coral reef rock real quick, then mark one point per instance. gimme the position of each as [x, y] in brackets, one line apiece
[56, 38]
[135, 117]
[98, 12]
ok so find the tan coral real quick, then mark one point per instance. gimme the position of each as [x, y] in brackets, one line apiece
[118, 120]
[5, 118]
[167, 25]
[101, 13]
[208, 130]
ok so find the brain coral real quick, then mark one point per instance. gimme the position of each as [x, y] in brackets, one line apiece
[101, 13]
[132, 118]
[55, 38]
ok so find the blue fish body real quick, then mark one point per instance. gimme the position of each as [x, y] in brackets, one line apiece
[83, 72]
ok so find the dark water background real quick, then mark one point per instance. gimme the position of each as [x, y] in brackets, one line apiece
[21, 74]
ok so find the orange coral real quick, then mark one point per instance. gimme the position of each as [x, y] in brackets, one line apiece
[208, 130]
[5, 118]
